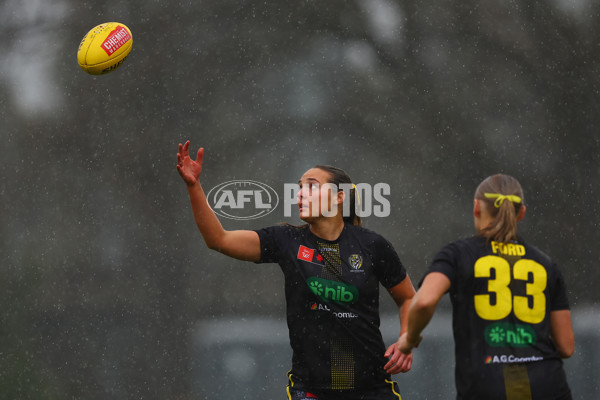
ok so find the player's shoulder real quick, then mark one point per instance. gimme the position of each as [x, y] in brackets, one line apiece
[284, 230]
[367, 238]
[471, 244]
[461, 251]
[363, 233]
[535, 253]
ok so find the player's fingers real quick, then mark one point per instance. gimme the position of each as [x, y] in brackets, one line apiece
[394, 369]
[392, 364]
[403, 365]
[391, 352]
[389, 365]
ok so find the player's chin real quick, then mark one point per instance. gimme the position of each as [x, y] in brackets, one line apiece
[307, 218]
[305, 215]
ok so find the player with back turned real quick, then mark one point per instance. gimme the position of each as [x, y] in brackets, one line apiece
[332, 269]
[511, 319]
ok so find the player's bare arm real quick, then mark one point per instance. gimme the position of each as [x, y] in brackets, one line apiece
[240, 244]
[562, 332]
[402, 294]
[422, 307]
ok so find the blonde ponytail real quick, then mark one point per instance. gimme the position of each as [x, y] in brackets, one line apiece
[502, 196]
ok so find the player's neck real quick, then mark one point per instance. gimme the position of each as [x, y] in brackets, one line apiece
[483, 221]
[327, 228]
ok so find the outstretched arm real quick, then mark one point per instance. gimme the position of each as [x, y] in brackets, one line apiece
[422, 308]
[240, 244]
[402, 294]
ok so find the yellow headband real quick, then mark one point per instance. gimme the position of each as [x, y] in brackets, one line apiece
[501, 197]
[356, 191]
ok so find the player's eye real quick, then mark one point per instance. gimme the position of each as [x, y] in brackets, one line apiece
[309, 188]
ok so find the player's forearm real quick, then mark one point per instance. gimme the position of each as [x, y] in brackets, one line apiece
[209, 225]
[419, 315]
[404, 311]
[424, 304]
[402, 294]
[562, 332]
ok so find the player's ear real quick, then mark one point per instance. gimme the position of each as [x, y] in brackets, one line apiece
[476, 208]
[521, 213]
[341, 195]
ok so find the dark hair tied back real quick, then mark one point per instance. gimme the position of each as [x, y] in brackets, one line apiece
[337, 177]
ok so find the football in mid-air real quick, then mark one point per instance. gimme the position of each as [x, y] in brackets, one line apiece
[104, 48]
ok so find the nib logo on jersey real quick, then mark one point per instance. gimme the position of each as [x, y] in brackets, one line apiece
[332, 291]
[502, 334]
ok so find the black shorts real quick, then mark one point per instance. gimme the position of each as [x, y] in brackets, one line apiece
[386, 391]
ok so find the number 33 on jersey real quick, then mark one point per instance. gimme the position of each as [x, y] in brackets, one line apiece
[530, 308]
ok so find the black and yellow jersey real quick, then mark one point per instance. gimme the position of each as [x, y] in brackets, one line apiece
[502, 295]
[332, 297]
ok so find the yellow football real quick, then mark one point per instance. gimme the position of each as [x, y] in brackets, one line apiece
[104, 48]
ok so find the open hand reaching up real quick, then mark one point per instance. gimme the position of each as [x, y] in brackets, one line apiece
[188, 168]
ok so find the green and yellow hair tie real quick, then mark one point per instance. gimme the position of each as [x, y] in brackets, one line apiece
[501, 197]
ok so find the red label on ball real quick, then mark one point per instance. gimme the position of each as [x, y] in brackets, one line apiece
[115, 40]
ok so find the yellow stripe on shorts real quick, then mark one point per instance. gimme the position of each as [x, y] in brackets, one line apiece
[516, 382]
[392, 383]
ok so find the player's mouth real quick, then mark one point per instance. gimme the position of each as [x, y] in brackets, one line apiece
[303, 207]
